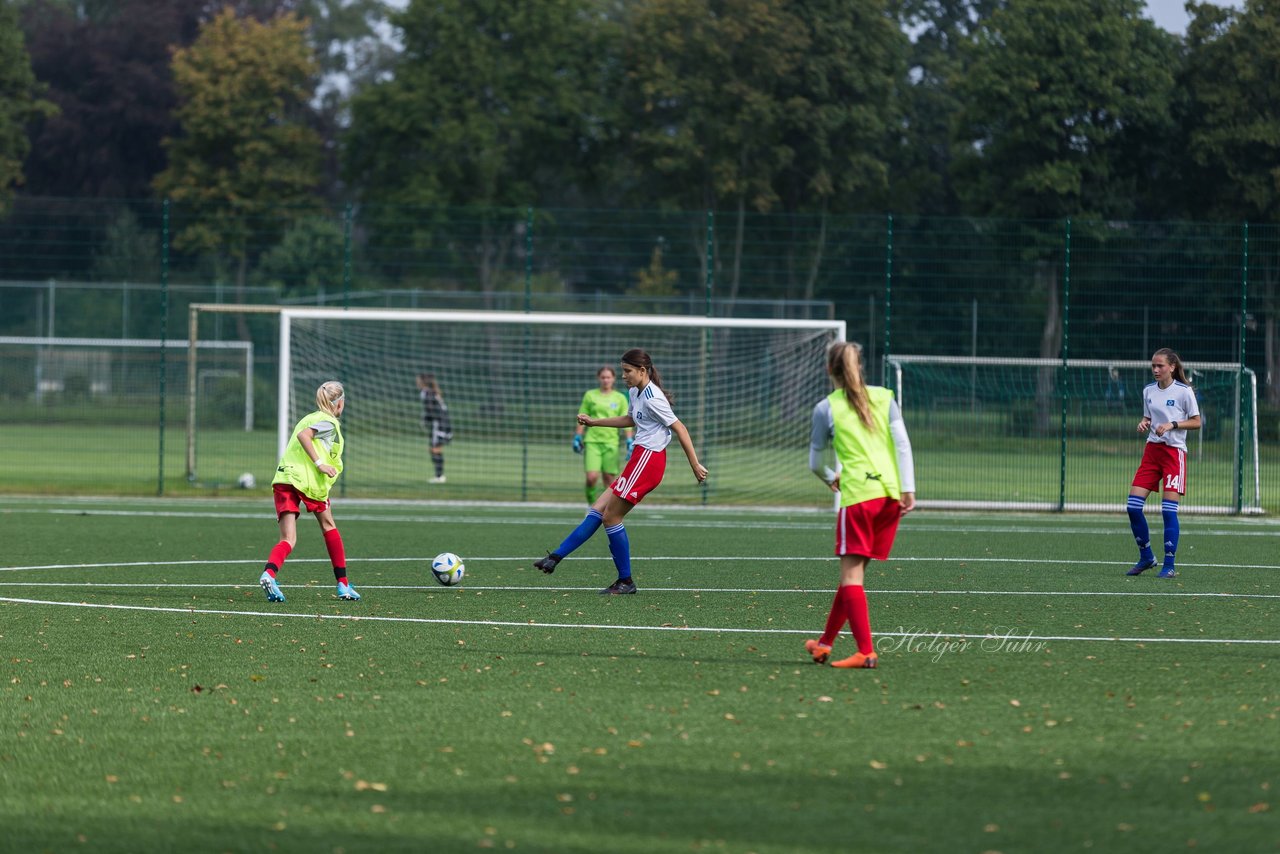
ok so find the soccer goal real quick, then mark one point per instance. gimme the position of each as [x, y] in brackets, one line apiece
[101, 375]
[513, 383]
[1033, 434]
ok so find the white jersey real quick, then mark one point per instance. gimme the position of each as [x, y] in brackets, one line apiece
[652, 413]
[1166, 405]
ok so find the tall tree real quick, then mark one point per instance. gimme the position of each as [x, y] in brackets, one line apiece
[704, 105]
[921, 160]
[1055, 94]
[1233, 77]
[246, 151]
[494, 104]
[20, 100]
[108, 69]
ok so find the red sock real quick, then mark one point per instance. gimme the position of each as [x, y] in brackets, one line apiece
[835, 619]
[859, 619]
[277, 557]
[333, 542]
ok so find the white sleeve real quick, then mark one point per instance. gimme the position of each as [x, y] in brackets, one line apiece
[661, 409]
[902, 447]
[819, 438]
[1192, 405]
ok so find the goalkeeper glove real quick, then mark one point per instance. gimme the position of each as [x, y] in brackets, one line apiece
[577, 444]
[631, 443]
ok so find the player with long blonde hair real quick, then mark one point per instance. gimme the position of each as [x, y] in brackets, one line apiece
[875, 486]
[308, 468]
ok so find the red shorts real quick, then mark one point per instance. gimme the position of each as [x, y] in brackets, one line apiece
[1163, 468]
[641, 476]
[290, 500]
[868, 528]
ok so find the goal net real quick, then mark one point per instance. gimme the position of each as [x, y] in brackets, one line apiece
[513, 383]
[1029, 434]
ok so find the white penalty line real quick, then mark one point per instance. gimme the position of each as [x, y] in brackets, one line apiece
[1010, 637]
[682, 558]
[508, 588]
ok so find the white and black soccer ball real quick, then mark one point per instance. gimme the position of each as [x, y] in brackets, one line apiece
[447, 568]
[247, 481]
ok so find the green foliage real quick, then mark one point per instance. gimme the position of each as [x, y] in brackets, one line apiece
[307, 260]
[1054, 94]
[245, 147]
[1233, 79]
[20, 100]
[492, 104]
[656, 280]
[128, 252]
[705, 102]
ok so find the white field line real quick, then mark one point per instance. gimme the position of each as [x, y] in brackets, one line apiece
[1011, 638]
[424, 560]
[109, 585]
[910, 525]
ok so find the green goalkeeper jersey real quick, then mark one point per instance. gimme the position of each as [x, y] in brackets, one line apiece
[599, 404]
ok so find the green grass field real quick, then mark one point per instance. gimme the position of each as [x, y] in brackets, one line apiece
[70, 459]
[1030, 696]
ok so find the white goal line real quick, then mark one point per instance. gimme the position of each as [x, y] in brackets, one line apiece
[1013, 639]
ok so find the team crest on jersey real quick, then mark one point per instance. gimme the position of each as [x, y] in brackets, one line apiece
[1168, 403]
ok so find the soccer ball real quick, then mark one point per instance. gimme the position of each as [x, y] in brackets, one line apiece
[247, 481]
[447, 568]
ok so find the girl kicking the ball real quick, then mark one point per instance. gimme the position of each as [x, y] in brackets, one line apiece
[875, 487]
[655, 423]
[311, 463]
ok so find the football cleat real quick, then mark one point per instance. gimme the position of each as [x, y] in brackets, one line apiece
[619, 587]
[440, 479]
[1141, 566]
[1168, 572]
[271, 588]
[820, 651]
[867, 662]
[547, 564]
[346, 591]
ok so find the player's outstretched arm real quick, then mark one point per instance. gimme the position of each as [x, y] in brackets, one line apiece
[615, 421]
[682, 436]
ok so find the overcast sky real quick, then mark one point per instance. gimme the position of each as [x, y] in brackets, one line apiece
[1171, 15]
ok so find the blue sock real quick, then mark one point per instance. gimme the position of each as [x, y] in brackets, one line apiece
[1169, 510]
[1138, 522]
[580, 534]
[620, 548]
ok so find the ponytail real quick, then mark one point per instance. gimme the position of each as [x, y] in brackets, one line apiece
[844, 364]
[1172, 358]
[328, 395]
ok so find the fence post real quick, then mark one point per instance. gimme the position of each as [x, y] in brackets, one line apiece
[888, 298]
[708, 283]
[1240, 387]
[528, 307]
[164, 332]
[1062, 374]
[346, 257]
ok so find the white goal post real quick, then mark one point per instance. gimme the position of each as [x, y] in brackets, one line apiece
[513, 383]
[1041, 434]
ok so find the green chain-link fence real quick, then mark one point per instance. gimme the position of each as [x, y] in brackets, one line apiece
[906, 286]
